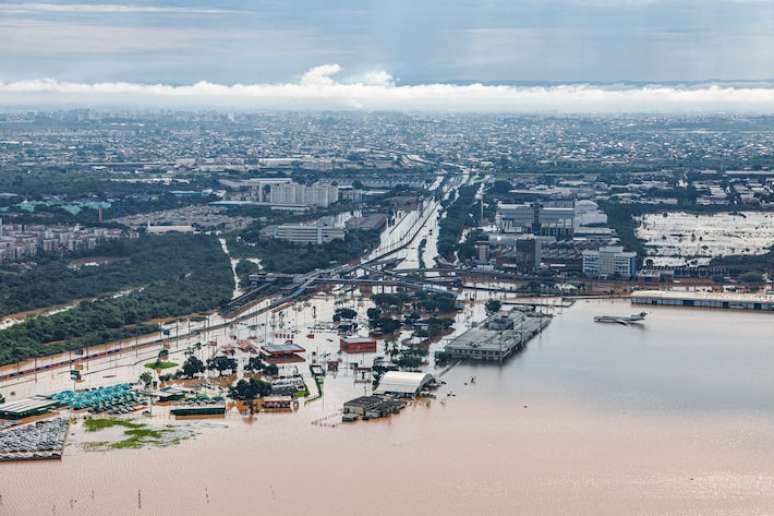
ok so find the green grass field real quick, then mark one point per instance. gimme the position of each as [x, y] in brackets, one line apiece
[161, 365]
[136, 435]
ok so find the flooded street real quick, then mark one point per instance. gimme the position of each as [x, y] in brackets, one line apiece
[677, 238]
[238, 291]
[671, 417]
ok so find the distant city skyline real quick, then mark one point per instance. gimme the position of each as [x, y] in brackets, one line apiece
[390, 45]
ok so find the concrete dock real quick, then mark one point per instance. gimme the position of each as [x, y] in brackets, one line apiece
[496, 338]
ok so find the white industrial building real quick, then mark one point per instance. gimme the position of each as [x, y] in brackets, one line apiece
[319, 194]
[610, 261]
[587, 213]
[282, 192]
[716, 300]
[535, 218]
[403, 383]
[319, 232]
[255, 190]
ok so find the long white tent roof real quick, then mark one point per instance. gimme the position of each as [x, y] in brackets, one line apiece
[402, 382]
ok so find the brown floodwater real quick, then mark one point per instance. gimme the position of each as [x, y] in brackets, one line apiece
[674, 417]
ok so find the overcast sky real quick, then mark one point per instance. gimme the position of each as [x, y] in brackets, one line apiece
[385, 42]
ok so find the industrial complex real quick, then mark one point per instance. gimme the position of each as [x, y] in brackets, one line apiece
[390, 396]
[497, 338]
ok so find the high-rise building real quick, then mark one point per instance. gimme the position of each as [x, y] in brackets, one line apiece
[521, 253]
[610, 261]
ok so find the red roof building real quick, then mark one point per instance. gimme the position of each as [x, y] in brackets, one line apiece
[282, 353]
[357, 345]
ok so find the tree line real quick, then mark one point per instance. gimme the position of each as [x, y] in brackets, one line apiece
[194, 276]
[132, 263]
[292, 258]
[460, 213]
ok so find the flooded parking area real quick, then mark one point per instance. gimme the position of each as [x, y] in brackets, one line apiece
[673, 416]
[680, 238]
[33, 441]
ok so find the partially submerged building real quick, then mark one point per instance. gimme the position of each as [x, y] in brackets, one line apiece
[497, 338]
[282, 353]
[278, 403]
[27, 407]
[371, 407]
[716, 300]
[403, 383]
[357, 344]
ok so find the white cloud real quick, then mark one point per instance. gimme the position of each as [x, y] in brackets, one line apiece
[378, 78]
[31, 8]
[318, 89]
[320, 75]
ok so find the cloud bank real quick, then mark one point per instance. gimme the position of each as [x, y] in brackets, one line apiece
[318, 89]
[31, 8]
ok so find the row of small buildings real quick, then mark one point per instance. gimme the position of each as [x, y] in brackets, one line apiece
[23, 241]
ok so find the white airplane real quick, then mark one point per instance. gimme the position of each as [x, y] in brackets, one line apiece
[621, 319]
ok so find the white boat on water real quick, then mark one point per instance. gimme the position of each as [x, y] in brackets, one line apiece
[625, 320]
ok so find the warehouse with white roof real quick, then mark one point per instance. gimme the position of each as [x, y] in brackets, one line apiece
[403, 383]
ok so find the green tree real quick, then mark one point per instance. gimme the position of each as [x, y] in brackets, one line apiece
[344, 313]
[501, 187]
[493, 306]
[222, 364]
[408, 361]
[255, 364]
[250, 389]
[412, 318]
[752, 278]
[244, 268]
[193, 366]
[146, 378]
[388, 325]
[445, 303]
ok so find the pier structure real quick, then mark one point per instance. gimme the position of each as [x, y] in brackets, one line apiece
[496, 338]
